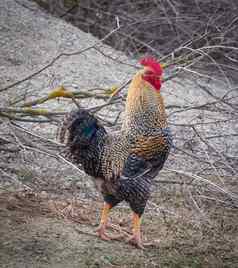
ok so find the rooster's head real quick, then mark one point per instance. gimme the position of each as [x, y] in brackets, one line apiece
[152, 71]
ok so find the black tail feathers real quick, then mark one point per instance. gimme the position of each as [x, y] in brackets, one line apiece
[84, 137]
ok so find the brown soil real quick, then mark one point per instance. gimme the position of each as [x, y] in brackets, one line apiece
[35, 232]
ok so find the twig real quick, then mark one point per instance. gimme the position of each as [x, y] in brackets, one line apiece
[70, 163]
[12, 117]
[198, 178]
[114, 59]
[30, 111]
[21, 128]
[69, 54]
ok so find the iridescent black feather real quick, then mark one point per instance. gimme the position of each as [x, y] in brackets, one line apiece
[86, 141]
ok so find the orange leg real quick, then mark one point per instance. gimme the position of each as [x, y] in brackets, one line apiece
[135, 239]
[103, 224]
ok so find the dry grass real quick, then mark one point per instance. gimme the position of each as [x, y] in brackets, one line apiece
[183, 239]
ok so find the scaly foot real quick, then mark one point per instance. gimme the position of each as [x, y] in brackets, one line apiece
[101, 233]
[135, 240]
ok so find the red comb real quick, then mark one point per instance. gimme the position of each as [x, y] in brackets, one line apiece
[153, 64]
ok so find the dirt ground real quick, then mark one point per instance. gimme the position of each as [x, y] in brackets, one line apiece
[36, 231]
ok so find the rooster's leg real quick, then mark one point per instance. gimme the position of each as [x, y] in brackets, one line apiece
[103, 224]
[135, 239]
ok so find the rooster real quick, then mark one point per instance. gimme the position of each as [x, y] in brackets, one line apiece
[123, 164]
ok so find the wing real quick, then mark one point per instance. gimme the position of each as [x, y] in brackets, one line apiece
[135, 183]
[136, 179]
[135, 166]
[138, 167]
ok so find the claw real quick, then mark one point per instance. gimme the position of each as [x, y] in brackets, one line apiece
[101, 233]
[135, 240]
